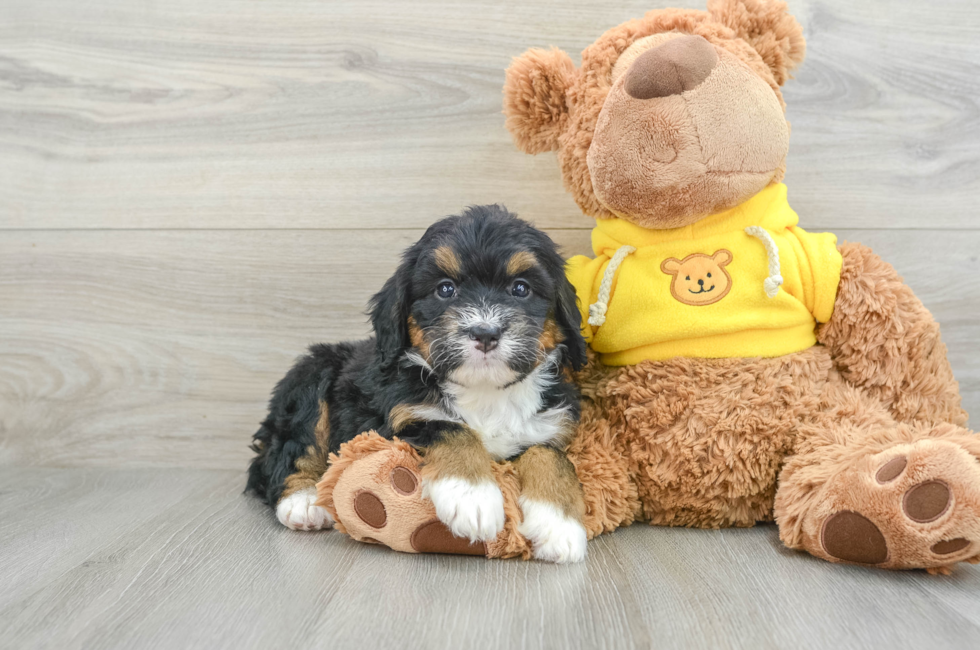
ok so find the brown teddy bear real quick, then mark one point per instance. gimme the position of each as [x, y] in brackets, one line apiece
[742, 368]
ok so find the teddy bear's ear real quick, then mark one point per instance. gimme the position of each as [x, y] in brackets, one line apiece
[768, 27]
[535, 101]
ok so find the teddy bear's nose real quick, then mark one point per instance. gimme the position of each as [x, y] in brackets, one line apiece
[678, 65]
[701, 282]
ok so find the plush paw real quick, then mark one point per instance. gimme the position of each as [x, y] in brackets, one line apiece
[554, 537]
[300, 512]
[912, 506]
[378, 499]
[474, 511]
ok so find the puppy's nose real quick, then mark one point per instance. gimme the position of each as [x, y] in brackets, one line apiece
[678, 65]
[486, 337]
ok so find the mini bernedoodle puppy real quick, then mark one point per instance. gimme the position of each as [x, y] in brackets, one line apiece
[475, 339]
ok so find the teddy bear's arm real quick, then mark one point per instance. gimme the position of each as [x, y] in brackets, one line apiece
[882, 338]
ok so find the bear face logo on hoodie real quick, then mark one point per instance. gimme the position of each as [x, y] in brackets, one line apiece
[699, 279]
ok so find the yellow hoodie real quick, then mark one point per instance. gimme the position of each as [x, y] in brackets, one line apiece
[746, 282]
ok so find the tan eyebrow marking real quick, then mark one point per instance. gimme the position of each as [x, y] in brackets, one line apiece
[520, 262]
[448, 261]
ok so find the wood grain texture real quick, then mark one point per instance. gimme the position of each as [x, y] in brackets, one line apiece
[141, 348]
[181, 559]
[382, 114]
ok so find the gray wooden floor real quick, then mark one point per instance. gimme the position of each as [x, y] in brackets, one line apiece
[192, 192]
[178, 558]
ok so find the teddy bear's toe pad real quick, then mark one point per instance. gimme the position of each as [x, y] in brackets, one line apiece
[370, 510]
[404, 481]
[892, 469]
[950, 546]
[926, 502]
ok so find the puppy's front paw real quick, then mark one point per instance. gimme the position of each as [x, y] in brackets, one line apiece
[553, 536]
[471, 510]
[300, 512]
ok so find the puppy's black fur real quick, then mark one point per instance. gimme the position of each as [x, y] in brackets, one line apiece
[423, 340]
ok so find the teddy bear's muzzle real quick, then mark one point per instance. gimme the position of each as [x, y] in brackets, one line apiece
[688, 129]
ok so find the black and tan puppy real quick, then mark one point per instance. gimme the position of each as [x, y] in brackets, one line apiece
[474, 337]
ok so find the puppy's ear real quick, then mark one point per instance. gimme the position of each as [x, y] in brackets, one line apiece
[565, 310]
[390, 309]
[569, 320]
[535, 101]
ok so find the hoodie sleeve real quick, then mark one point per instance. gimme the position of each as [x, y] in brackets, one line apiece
[824, 261]
[583, 272]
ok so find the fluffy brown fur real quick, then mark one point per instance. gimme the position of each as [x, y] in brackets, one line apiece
[768, 28]
[884, 340]
[535, 98]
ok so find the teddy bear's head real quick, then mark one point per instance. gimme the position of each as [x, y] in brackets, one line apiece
[670, 117]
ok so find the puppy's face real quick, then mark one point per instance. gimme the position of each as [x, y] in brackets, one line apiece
[481, 312]
[483, 301]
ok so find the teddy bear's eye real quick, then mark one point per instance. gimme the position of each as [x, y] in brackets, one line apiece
[709, 275]
[688, 278]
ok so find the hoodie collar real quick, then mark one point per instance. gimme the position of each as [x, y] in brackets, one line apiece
[768, 209]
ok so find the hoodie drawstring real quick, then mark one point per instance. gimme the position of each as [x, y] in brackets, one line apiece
[597, 310]
[773, 282]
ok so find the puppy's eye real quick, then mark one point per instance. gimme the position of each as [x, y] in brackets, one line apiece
[521, 289]
[446, 289]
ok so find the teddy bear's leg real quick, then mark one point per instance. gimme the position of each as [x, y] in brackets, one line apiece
[884, 340]
[373, 488]
[865, 489]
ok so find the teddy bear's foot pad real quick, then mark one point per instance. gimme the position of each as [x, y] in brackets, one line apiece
[851, 537]
[922, 503]
[435, 537]
[379, 500]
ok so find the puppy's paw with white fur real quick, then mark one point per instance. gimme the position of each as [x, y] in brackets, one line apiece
[553, 536]
[471, 510]
[300, 512]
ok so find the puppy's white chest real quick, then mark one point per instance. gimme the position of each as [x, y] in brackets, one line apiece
[509, 420]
